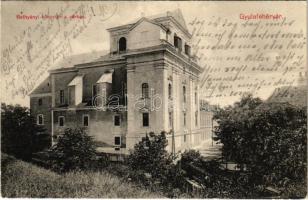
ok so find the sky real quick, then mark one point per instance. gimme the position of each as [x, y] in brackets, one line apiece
[20, 74]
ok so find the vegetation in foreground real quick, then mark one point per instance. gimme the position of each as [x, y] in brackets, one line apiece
[266, 140]
[22, 179]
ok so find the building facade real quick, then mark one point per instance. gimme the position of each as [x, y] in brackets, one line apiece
[148, 82]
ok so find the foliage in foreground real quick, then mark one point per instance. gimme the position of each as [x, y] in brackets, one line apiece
[219, 183]
[21, 179]
[75, 149]
[20, 135]
[268, 138]
[151, 164]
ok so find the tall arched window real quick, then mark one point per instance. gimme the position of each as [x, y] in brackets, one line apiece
[184, 94]
[122, 44]
[170, 91]
[145, 90]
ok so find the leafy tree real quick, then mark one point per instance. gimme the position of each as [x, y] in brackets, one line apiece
[269, 138]
[150, 156]
[20, 135]
[74, 150]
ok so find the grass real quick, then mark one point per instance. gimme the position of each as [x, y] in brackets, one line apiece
[21, 179]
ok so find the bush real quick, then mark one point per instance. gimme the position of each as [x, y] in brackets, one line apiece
[270, 138]
[74, 150]
[150, 163]
[20, 135]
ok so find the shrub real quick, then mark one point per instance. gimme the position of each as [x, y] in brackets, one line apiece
[151, 163]
[270, 138]
[20, 135]
[74, 150]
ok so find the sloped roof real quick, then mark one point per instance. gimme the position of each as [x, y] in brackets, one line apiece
[105, 78]
[43, 87]
[81, 58]
[295, 95]
[175, 14]
[77, 80]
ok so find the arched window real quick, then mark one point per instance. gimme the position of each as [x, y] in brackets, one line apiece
[184, 94]
[145, 90]
[177, 41]
[122, 44]
[170, 91]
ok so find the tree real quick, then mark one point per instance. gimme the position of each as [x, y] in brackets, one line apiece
[270, 138]
[20, 135]
[150, 157]
[75, 149]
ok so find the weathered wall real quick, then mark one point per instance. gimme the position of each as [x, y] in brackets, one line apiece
[101, 124]
[144, 35]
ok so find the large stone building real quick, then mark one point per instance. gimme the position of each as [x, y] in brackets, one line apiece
[148, 82]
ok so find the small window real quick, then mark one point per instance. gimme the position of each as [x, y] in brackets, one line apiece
[177, 42]
[145, 119]
[117, 140]
[184, 94]
[170, 91]
[61, 96]
[170, 119]
[187, 49]
[145, 90]
[61, 120]
[40, 119]
[117, 120]
[85, 120]
[196, 98]
[122, 44]
[40, 102]
[184, 119]
[185, 137]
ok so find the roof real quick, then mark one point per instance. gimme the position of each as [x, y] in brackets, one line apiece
[295, 95]
[70, 61]
[76, 81]
[43, 87]
[105, 78]
[176, 14]
[156, 19]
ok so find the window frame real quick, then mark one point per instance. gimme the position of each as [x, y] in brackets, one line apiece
[40, 101]
[145, 90]
[114, 120]
[59, 121]
[83, 117]
[170, 91]
[62, 97]
[187, 49]
[120, 140]
[38, 119]
[119, 46]
[143, 119]
[170, 120]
